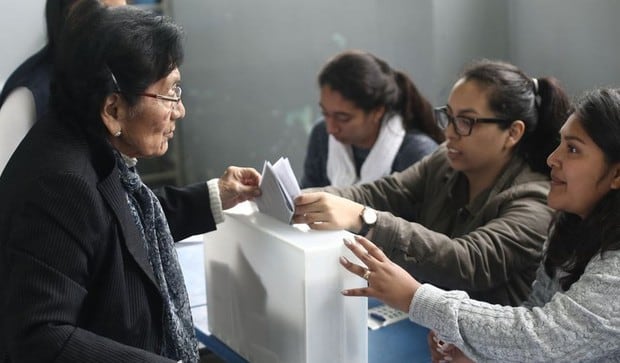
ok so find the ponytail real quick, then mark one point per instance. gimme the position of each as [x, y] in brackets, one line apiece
[416, 110]
[553, 108]
[540, 103]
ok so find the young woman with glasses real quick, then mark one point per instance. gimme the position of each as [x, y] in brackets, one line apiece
[472, 215]
[572, 312]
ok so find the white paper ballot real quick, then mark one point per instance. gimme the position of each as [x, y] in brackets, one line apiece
[279, 189]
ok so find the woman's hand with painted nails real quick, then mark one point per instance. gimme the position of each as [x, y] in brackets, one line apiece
[387, 281]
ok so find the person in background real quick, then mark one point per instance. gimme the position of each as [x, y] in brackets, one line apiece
[572, 312]
[25, 94]
[374, 122]
[473, 215]
[87, 262]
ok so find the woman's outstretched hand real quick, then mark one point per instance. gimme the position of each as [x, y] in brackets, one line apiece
[322, 210]
[387, 281]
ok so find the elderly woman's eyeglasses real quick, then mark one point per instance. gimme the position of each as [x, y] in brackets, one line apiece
[462, 125]
[173, 99]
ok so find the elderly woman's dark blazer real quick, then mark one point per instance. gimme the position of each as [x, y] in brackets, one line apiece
[76, 285]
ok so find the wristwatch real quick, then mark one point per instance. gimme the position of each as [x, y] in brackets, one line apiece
[369, 219]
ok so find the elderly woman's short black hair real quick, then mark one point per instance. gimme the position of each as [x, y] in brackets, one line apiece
[55, 15]
[136, 46]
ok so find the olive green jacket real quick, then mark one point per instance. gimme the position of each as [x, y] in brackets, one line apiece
[490, 247]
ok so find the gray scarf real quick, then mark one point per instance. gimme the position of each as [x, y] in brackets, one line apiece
[179, 337]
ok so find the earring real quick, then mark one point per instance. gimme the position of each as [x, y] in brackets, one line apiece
[117, 133]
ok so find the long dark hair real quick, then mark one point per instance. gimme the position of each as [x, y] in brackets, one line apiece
[135, 45]
[540, 103]
[55, 16]
[369, 82]
[573, 241]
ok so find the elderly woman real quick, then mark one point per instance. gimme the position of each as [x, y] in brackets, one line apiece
[87, 265]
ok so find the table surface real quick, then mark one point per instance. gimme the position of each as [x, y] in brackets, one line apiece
[403, 341]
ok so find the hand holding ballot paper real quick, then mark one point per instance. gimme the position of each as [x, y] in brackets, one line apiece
[279, 189]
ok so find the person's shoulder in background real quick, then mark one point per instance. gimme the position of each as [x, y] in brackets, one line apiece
[415, 146]
[315, 163]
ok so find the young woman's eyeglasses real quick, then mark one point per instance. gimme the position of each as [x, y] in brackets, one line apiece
[462, 124]
[173, 99]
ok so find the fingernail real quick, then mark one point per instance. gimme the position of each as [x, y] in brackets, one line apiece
[344, 292]
[347, 241]
[344, 260]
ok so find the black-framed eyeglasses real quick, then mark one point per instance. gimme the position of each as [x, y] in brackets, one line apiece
[462, 124]
[174, 99]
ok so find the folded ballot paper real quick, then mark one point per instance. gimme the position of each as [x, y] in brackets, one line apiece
[279, 189]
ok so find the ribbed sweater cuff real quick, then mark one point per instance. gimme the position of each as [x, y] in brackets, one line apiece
[214, 200]
[424, 308]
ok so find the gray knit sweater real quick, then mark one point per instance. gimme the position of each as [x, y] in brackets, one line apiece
[581, 324]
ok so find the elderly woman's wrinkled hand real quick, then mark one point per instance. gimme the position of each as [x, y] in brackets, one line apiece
[238, 185]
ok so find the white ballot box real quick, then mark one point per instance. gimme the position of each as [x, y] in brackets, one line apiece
[273, 291]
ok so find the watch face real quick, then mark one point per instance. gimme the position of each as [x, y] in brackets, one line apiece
[370, 216]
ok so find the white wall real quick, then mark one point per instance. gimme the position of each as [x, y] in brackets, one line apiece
[22, 32]
[576, 41]
[465, 30]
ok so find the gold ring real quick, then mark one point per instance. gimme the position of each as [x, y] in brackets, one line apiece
[366, 275]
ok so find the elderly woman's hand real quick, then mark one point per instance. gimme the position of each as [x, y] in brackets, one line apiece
[387, 281]
[238, 185]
